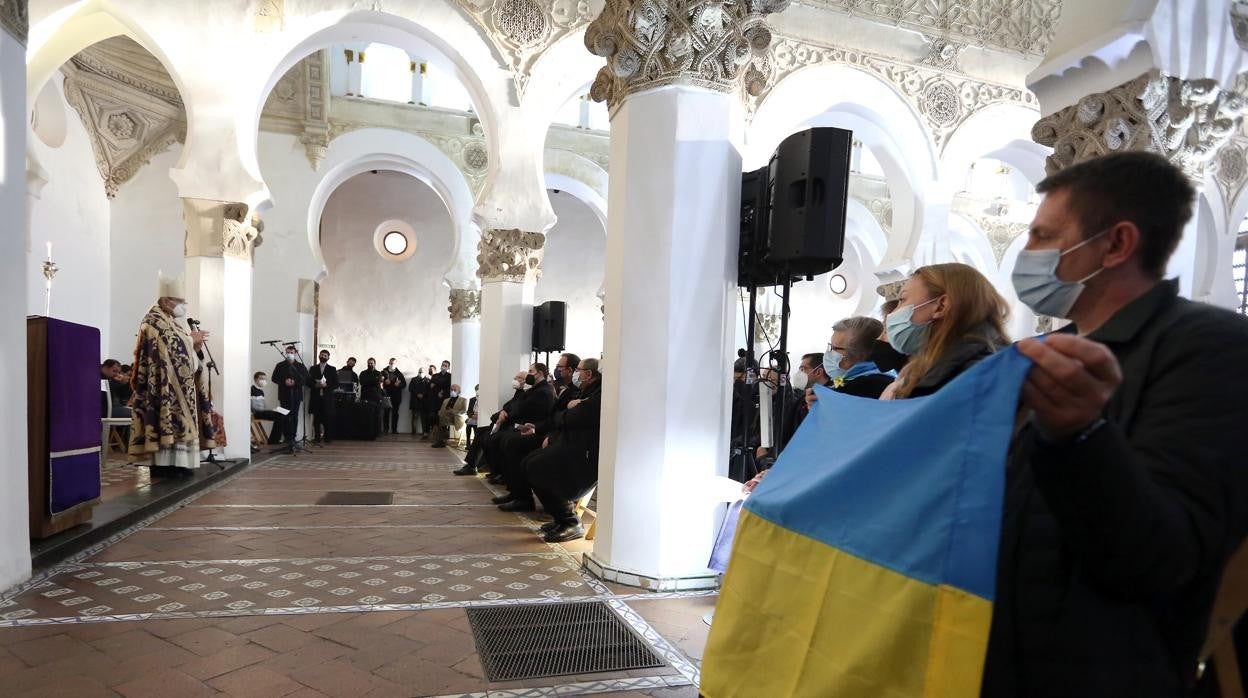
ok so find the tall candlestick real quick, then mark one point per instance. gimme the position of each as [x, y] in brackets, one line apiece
[49, 249]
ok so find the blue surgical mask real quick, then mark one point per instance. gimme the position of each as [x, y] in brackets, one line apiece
[1036, 283]
[576, 379]
[832, 364]
[905, 336]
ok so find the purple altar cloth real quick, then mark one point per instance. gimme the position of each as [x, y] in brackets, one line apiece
[74, 410]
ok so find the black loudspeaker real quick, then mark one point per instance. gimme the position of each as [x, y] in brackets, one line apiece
[549, 326]
[753, 269]
[810, 190]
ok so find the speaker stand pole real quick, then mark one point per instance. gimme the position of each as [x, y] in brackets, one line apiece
[783, 364]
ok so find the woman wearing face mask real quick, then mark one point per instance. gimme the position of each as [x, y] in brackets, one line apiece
[950, 317]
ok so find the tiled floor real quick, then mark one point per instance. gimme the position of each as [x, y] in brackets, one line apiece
[253, 589]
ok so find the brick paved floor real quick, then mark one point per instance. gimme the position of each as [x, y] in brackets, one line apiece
[252, 589]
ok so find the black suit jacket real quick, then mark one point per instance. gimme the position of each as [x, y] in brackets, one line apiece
[290, 395]
[1112, 546]
[580, 426]
[546, 426]
[331, 383]
[370, 385]
[536, 405]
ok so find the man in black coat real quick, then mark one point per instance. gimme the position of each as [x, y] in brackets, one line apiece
[439, 390]
[1125, 483]
[486, 432]
[370, 383]
[566, 466]
[536, 405]
[322, 379]
[290, 376]
[416, 389]
[392, 383]
[515, 445]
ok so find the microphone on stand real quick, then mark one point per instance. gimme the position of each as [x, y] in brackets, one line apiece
[192, 322]
[271, 341]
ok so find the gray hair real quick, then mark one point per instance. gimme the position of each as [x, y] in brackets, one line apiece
[862, 334]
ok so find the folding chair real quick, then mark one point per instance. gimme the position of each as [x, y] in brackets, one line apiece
[582, 506]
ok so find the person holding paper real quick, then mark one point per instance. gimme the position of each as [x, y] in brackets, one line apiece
[260, 410]
[323, 379]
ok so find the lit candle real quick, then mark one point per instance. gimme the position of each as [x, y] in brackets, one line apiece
[49, 250]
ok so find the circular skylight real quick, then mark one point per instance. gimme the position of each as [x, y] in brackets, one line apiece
[838, 283]
[395, 242]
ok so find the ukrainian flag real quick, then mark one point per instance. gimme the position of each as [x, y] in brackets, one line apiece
[865, 563]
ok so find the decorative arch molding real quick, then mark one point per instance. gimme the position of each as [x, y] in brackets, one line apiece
[443, 34]
[993, 132]
[386, 149]
[580, 177]
[940, 99]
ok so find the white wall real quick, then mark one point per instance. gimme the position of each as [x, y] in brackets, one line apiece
[373, 306]
[14, 529]
[572, 272]
[148, 236]
[73, 214]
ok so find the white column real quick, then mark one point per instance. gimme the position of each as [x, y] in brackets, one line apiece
[418, 67]
[505, 339]
[14, 525]
[675, 187]
[355, 69]
[218, 282]
[465, 313]
[582, 117]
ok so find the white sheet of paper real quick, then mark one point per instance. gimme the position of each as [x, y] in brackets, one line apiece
[281, 410]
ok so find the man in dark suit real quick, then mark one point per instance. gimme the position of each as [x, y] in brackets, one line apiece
[515, 445]
[1125, 483]
[290, 376]
[392, 382]
[439, 389]
[416, 389]
[323, 379]
[566, 466]
[484, 433]
[536, 404]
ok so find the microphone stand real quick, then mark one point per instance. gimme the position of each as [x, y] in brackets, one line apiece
[212, 368]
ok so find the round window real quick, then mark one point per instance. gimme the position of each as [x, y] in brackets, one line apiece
[838, 283]
[395, 242]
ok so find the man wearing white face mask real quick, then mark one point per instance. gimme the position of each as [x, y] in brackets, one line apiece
[1126, 490]
[171, 413]
[260, 410]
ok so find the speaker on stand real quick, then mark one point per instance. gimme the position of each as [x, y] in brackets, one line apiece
[549, 327]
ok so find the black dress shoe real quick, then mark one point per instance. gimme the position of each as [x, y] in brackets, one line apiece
[466, 470]
[503, 499]
[564, 534]
[437, 445]
[494, 479]
[549, 526]
[518, 505]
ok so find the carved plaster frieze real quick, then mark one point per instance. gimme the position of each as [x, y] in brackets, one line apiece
[467, 152]
[15, 18]
[1231, 169]
[1186, 121]
[1239, 22]
[522, 29]
[126, 125]
[704, 43]
[465, 304]
[510, 255]
[942, 99]
[1025, 26]
[890, 291]
[943, 54]
[1001, 233]
[219, 229]
[298, 104]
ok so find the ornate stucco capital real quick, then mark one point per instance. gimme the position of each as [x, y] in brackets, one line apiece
[219, 229]
[766, 328]
[704, 43]
[465, 304]
[1186, 121]
[510, 255]
[15, 18]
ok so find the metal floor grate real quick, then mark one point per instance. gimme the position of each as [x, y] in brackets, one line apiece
[537, 640]
[357, 498]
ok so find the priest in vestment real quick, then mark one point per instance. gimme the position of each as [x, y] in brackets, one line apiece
[171, 420]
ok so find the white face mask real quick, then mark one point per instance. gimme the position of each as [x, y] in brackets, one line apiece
[454, 393]
[179, 310]
[801, 380]
[290, 357]
[262, 382]
[515, 384]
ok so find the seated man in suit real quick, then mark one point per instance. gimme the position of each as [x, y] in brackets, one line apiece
[536, 405]
[497, 420]
[529, 437]
[566, 466]
[452, 415]
[260, 410]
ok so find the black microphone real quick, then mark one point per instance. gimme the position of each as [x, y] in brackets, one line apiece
[271, 341]
[192, 322]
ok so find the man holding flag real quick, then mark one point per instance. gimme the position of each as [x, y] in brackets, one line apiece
[1104, 463]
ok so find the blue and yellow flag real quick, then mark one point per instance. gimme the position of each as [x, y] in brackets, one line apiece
[865, 563]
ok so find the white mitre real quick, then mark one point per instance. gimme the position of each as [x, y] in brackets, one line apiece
[170, 286]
